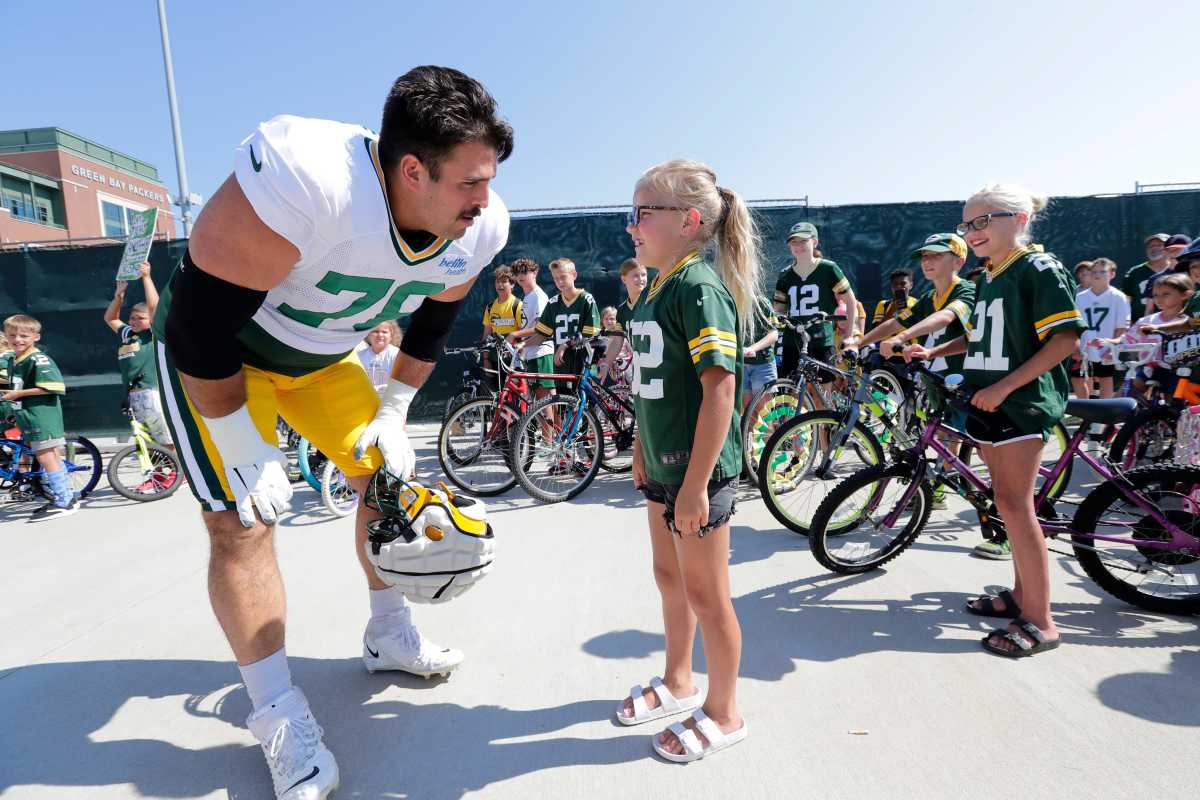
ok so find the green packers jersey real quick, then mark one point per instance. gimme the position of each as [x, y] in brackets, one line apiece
[1136, 281]
[959, 297]
[803, 297]
[625, 315]
[563, 321]
[39, 417]
[1022, 302]
[503, 317]
[760, 329]
[684, 323]
[1192, 309]
[135, 359]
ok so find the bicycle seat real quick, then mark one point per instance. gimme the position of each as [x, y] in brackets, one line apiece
[1105, 412]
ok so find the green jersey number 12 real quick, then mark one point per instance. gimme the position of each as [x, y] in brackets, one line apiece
[652, 358]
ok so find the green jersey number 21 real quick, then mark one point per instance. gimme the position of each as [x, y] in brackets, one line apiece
[989, 321]
[646, 356]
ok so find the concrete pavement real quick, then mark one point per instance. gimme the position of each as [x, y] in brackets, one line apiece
[115, 681]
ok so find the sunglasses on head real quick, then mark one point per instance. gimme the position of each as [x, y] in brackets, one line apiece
[980, 222]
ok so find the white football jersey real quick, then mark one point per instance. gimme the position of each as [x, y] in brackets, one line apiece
[319, 184]
[1103, 314]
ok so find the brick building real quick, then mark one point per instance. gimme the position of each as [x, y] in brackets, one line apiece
[55, 185]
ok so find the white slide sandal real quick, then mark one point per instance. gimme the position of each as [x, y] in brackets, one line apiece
[668, 704]
[691, 742]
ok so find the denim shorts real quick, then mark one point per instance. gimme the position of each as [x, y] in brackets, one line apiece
[722, 502]
[756, 376]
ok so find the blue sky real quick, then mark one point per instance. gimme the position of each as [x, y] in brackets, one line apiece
[856, 102]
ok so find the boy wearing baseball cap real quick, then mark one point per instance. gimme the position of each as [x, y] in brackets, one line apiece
[942, 312]
[1138, 280]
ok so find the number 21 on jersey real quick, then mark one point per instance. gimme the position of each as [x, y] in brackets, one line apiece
[647, 343]
[989, 324]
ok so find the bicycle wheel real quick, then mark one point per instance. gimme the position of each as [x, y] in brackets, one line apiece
[795, 453]
[1147, 438]
[473, 448]
[559, 449]
[336, 493]
[84, 465]
[160, 477]
[775, 404]
[857, 508]
[310, 461]
[888, 385]
[1164, 580]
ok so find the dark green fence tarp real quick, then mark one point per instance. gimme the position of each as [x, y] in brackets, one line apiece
[68, 289]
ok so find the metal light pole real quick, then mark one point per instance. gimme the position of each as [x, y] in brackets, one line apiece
[184, 200]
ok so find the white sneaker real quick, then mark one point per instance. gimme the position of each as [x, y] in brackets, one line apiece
[393, 642]
[301, 767]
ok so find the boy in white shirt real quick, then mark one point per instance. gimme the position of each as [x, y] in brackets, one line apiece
[1106, 313]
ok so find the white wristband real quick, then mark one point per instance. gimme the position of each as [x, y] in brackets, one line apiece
[397, 397]
[235, 436]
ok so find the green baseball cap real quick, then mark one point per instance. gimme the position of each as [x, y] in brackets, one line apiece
[803, 230]
[942, 243]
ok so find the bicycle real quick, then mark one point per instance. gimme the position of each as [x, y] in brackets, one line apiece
[1136, 534]
[474, 440]
[22, 478]
[145, 470]
[784, 398]
[810, 453]
[1150, 436]
[560, 443]
[474, 383]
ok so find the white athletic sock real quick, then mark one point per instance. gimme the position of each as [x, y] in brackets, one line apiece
[267, 679]
[387, 602]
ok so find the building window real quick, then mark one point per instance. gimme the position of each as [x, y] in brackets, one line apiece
[115, 223]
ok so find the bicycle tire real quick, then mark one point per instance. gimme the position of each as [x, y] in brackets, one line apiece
[880, 475]
[1175, 497]
[781, 473]
[80, 456]
[339, 499]
[310, 461]
[775, 403]
[160, 457]
[461, 449]
[1146, 438]
[576, 461]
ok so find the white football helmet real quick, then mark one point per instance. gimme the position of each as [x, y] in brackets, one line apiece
[431, 544]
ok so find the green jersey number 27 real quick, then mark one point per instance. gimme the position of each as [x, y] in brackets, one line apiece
[647, 355]
[989, 322]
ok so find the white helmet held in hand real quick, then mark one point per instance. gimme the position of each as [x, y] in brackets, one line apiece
[431, 544]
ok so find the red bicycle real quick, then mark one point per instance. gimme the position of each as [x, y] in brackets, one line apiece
[474, 443]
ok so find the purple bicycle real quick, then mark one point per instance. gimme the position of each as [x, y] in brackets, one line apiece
[1136, 534]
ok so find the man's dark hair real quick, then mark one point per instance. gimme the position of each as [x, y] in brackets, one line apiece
[523, 265]
[975, 273]
[901, 273]
[430, 110]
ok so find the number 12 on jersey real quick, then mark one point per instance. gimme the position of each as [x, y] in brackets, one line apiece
[989, 322]
[646, 338]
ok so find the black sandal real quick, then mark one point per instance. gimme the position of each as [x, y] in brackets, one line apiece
[1029, 633]
[1011, 609]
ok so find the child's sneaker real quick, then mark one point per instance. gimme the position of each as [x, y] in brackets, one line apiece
[997, 551]
[51, 511]
[939, 496]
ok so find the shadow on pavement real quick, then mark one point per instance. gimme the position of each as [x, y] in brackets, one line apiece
[384, 748]
[1172, 697]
